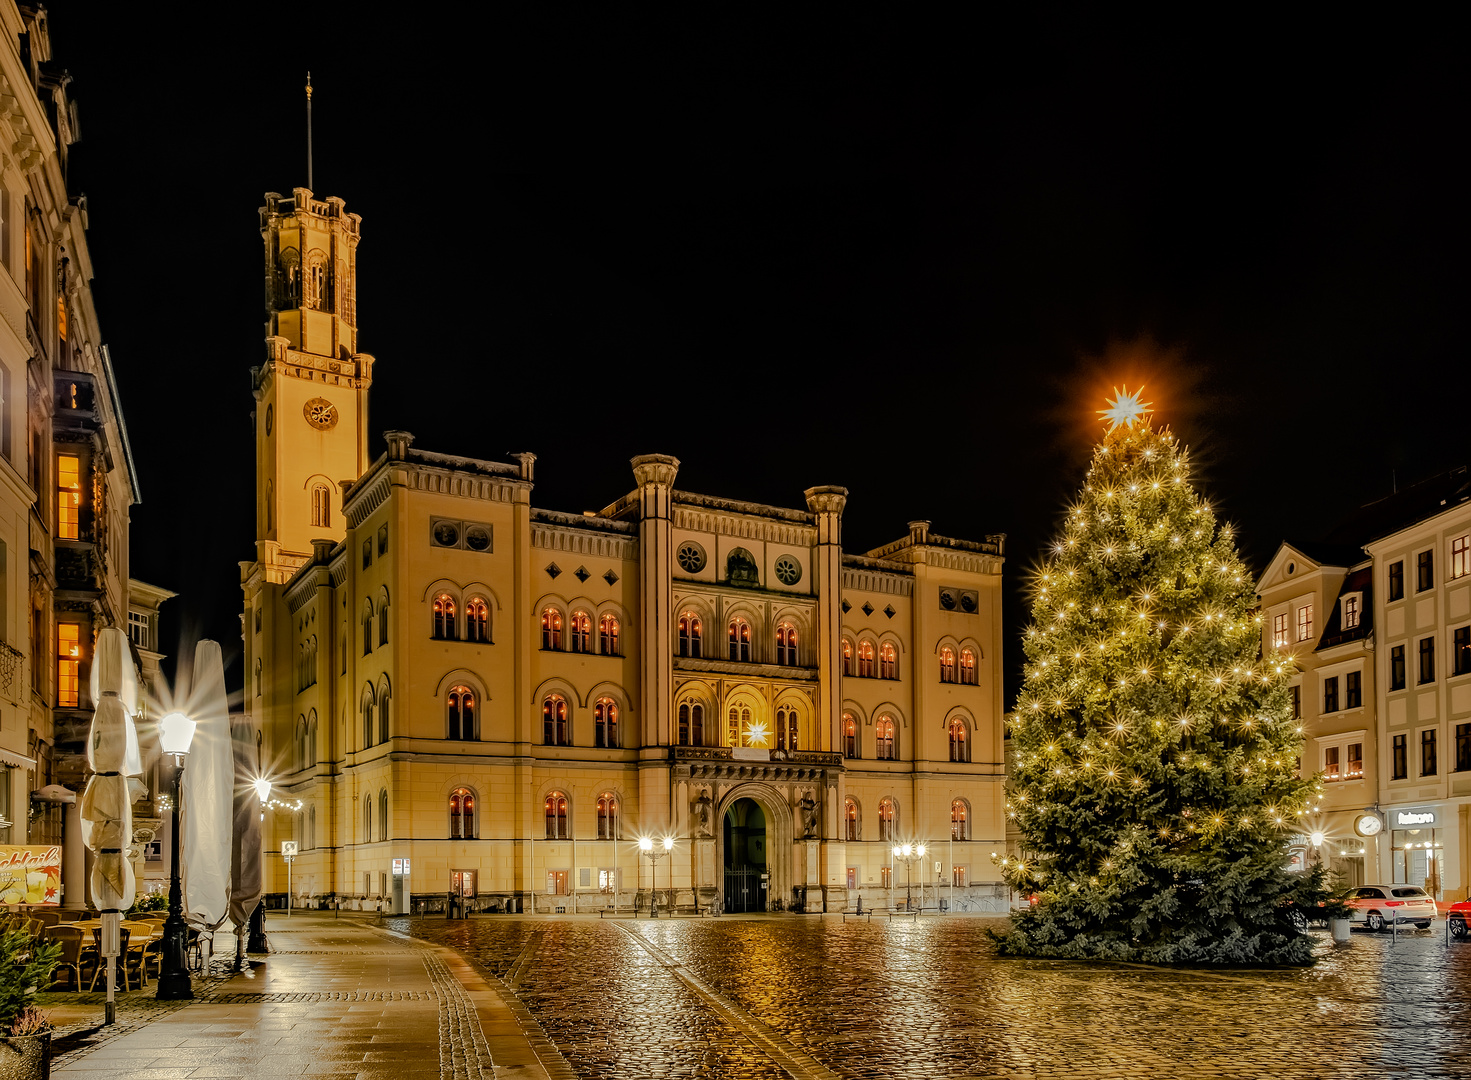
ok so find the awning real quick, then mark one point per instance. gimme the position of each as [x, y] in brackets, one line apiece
[16, 761]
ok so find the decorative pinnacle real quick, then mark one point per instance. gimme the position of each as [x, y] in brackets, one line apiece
[308, 84]
[1126, 409]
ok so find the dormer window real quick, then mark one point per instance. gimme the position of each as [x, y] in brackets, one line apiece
[1351, 610]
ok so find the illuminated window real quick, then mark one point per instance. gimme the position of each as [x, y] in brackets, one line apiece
[740, 640]
[786, 645]
[968, 667]
[750, 737]
[888, 662]
[68, 665]
[556, 816]
[850, 736]
[1279, 631]
[1461, 556]
[607, 816]
[1350, 612]
[460, 701]
[608, 635]
[551, 629]
[734, 733]
[579, 628]
[689, 634]
[68, 496]
[138, 628]
[959, 820]
[1305, 622]
[477, 621]
[1330, 763]
[321, 514]
[850, 820]
[780, 732]
[444, 617]
[957, 875]
[554, 721]
[887, 819]
[461, 815]
[865, 660]
[947, 664]
[886, 877]
[959, 743]
[605, 723]
[847, 657]
[884, 733]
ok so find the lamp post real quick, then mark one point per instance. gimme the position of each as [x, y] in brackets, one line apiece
[646, 845]
[907, 854]
[175, 733]
[257, 934]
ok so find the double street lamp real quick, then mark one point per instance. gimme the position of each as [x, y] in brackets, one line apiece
[908, 854]
[175, 733]
[646, 846]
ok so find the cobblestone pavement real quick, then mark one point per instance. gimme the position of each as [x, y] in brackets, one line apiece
[817, 997]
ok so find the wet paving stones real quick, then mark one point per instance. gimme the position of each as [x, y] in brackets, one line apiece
[815, 997]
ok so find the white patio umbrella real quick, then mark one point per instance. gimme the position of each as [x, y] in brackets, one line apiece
[245, 869]
[107, 811]
[209, 785]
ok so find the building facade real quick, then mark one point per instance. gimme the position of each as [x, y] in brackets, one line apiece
[467, 694]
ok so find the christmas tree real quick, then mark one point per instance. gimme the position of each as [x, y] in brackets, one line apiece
[1154, 780]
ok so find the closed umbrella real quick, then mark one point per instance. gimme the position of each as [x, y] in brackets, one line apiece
[245, 869]
[209, 785]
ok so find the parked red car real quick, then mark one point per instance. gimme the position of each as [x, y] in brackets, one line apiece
[1459, 915]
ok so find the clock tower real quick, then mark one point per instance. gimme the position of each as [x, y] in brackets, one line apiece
[311, 413]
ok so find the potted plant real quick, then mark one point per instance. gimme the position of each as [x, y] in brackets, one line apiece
[1336, 910]
[26, 964]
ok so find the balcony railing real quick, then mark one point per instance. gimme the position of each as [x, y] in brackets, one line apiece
[11, 661]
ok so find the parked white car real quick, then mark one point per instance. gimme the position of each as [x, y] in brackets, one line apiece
[1381, 906]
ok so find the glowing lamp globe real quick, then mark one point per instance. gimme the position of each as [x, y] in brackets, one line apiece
[1317, 839]
[262, 788]
[920, 851]
[175, 734]
[895, 852]
[645, 843]
[669, 843]
[907, 849]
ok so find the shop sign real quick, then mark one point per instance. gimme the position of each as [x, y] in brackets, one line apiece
[1409, 819]
[400, 866]
[30, 875]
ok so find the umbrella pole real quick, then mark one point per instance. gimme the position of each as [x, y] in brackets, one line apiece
[110, 937]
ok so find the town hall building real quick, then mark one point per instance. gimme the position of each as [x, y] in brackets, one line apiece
[470, 695]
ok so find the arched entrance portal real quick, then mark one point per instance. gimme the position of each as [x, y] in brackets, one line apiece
[746, 871]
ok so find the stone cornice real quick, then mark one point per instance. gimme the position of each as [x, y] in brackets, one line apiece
[303, 586]
[744, 526]
[583, 541]
[880, 579]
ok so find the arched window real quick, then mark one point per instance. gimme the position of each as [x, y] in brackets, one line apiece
[367, 819]
[607, 816]
[888, 662]
[257, 677]
[551, 629]
[383, 814]
[383, 696]
[444, 617]
[888, 816]
[477, 620]
[580, 626]
[367, 626]
[311, 827]
[270, 503]
[461, 815]
[959, 744]
[460, 702]
[608, 635]
[382, 619]
[367, 717]
[734, 733]
[697, 724]
[947, 664]
[684, 725]
[781, 729]
[792, 730]
[740, 640]
[967, 667]
[850, 820]
[311, 738]
[554, 721]
[689, 634]
[850, 736]
[556, 814]
[605, 722]
[748, 736]
[883, 731]
[959, 820]
[786, 645]
[321, 512]
[847, 658]
[298, 747]
[865, 660]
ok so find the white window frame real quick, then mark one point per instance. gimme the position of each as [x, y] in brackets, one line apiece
[1458, 565]
[1303, 628]
[1281, 629]
[1357, 599]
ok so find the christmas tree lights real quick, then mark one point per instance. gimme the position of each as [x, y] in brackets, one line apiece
[1154, 778]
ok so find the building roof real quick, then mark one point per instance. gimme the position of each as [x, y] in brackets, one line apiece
[1415, 503]
[1357, 581]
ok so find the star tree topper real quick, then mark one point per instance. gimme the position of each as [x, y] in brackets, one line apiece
[1126, 409]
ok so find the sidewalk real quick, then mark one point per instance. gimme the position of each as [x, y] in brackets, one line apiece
[336, 998]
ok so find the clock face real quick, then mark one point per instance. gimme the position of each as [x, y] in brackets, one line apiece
[1368, 824]
[320, 414]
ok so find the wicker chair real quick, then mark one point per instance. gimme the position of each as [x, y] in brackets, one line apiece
[70, 963]
[122, 955]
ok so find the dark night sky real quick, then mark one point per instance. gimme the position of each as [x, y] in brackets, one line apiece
[904, 256]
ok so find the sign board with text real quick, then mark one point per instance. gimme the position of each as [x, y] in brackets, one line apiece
[289, 849]
[30, 874]
[400, 866]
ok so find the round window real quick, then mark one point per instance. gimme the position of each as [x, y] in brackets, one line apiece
[968, 601]
[477, 538]
[788, 570]
[947, 599]
[446, 534]
[691, 557]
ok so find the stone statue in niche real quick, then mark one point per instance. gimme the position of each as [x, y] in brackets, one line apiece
[740, 568]
[701, 814]
[807, 810]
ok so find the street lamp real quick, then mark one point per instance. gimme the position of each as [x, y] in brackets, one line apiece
[908, 854]
[175, 733]
[257, 942]
[646, 845]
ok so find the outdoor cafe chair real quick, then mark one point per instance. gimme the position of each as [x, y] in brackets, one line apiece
[122, 953]
[70, 963]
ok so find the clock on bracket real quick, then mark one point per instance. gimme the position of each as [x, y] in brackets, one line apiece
[320, 414]
[1368, 824]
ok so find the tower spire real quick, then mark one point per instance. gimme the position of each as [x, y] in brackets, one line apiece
[309, 184]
